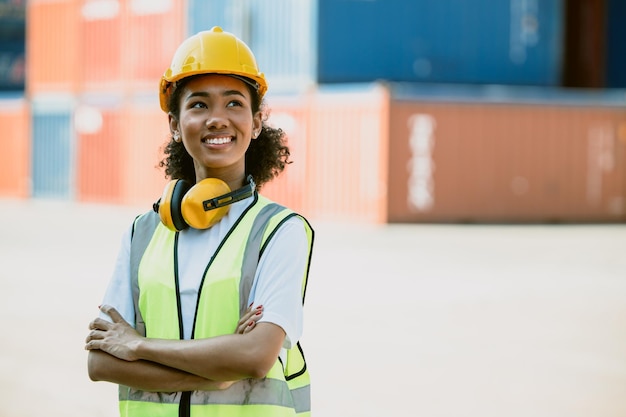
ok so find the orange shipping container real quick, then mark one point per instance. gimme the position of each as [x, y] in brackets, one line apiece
[289, 113]
[99, 132]
[52, 45]
[101, 36]
[153, 30]
[347, 154]
[483, 162]
[15, 144]
[145, 132]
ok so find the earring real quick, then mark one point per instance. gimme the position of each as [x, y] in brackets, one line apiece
[177, 137]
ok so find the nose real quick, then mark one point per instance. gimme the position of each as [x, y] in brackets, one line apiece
[216, 119]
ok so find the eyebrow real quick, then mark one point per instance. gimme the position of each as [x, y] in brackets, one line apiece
[224, 94]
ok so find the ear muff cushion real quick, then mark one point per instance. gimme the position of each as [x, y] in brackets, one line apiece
[170, 205]
[178, 193]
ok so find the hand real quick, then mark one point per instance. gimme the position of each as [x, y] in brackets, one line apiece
[249, 319]
[118, 338]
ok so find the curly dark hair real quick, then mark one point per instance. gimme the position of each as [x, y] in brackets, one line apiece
[266, 156]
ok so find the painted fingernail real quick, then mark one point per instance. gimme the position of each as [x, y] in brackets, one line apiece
[259, 307]
[251, 323]
[251, 304]
[258, 313]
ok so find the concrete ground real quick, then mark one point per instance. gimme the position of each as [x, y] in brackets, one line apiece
[406, 320]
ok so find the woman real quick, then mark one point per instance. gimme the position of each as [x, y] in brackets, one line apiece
[204, 311]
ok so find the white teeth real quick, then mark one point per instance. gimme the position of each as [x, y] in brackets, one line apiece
[217, 141]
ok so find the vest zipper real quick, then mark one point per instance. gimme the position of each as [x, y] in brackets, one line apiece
[184, 408]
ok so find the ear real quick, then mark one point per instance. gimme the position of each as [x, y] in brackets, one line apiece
[257, 124]
[173, 122]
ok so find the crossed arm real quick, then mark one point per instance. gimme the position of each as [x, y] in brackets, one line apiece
[117, 353]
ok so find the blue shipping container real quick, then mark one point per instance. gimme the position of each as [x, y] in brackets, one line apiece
[12, 66]
[52, 149]
[516, 42]
[616, 44]
[279, 32]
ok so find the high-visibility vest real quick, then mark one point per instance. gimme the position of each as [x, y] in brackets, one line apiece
[223, 293]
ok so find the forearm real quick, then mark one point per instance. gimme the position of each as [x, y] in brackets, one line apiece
[146, 375]
[223, 358]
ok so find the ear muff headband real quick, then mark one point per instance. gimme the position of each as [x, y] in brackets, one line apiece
[231, 197]
[200, 206]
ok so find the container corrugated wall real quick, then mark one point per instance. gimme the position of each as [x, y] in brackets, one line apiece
[103, 45]
[52, 46]
[280, 32]
[53, 147]
[151, 33]
[338, 143]
[145, 133]
[616, 44]
[445, 41]
[480, 162]
[15, 145]
[347, 143]
[98, 128]
[290, 113]
[12, 45]
[100, 27]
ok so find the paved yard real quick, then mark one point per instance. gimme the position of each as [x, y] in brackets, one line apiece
[406, 320]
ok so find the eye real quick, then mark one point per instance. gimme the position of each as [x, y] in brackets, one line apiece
[197, 105]
[234, 103]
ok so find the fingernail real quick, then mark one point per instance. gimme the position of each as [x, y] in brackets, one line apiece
[99, 307]
[251, 323]
[258, 313]
[259, 307]
[251, 304]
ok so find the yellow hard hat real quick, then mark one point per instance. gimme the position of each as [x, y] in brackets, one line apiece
[211, 52]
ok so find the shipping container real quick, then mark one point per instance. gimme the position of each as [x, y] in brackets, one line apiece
[616, 44]
[15, 145]
[12, 45]
[101, 30]
[98, 128]
[151, 33]
[347, 154]
[12, 65]
[144, 135]
[517, 42]
[53, 147]
[52, 46]
[338, 142]
[291, 114]
[280, 32]
[506, 161]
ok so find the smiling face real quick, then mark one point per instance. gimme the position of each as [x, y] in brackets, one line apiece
[216, 125]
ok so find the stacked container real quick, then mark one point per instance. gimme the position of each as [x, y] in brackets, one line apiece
[93, 64]
[14, 166]
[497, 159]
[395, 111]
[12, 42]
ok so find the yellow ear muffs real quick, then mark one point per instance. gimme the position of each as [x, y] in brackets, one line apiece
[169, 206]
[200, 206]
[199, 215]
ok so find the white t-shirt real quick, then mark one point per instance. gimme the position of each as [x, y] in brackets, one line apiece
[277, 284]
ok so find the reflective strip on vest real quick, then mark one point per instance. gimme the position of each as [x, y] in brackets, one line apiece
[266, 391]
[283, 393]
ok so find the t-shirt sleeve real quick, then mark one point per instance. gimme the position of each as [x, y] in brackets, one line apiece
[278, 280]
[119, 291]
